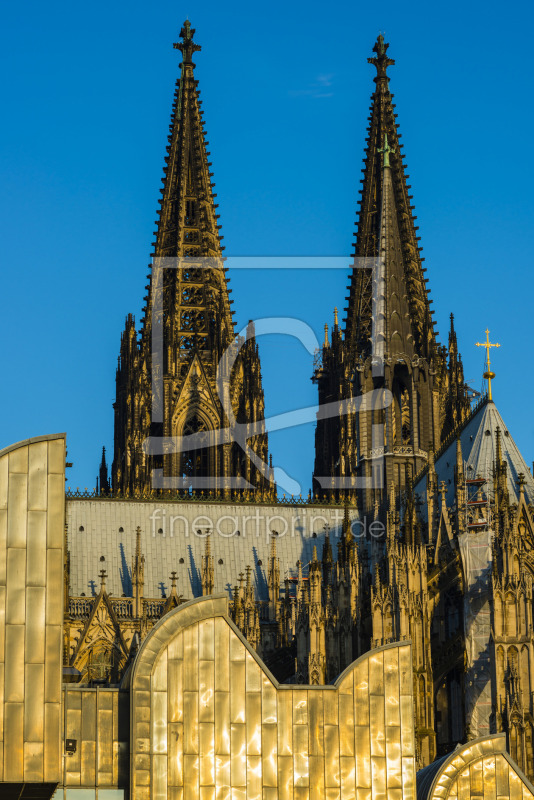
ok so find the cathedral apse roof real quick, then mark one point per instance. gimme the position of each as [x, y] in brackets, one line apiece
[478, 439]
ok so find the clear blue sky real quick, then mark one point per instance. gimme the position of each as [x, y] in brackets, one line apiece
[86, 99]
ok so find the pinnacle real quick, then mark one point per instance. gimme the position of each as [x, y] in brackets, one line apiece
[381, 61]
[187, 46]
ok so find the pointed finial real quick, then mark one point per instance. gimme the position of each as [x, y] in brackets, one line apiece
[173, 579]
[498, 448]
[187, 45]
[377, 578]
[386, 150]
[381, 60]
[346, 517]
[452, 334]
[103, 575]
[335, 317]
[488, 375]
[392, 499]
[459, 455]
[251, 329]
[326, 335]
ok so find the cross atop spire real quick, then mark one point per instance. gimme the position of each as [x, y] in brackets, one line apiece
[381, 60]
[488, 375]
[187, 45]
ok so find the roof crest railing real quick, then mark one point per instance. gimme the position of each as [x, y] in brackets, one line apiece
[208, 497]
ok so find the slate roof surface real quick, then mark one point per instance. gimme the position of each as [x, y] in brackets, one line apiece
[478, 440]
[107, 528]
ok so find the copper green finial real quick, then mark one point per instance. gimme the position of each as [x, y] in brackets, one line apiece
[187, 45]
[381, 60]
[386, 150]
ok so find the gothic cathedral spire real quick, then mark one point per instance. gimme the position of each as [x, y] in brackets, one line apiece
[387, 230]
[187, 384]
[386, 370]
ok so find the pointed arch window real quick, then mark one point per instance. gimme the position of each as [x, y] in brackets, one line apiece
[99, 667]
[406, 427]
[196, 463]
[190, 212]
[401, 413]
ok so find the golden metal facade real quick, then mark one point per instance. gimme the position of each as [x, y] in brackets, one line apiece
[203, 718]
[32, 509]
[481, 770]
[98, 720]
[210, 723]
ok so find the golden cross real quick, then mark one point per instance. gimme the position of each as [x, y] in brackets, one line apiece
[489, 375]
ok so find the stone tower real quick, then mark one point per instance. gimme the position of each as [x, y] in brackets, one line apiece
[385, 369]
[189, 406]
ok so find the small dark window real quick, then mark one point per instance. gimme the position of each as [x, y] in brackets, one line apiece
[102, 558]
[488, 433]
[181, 561]
[81, 528]
[121, 530]
[221, 561]
[160, 530]
[506, 433]
[260, 563]
[314, 535]
[190, 212]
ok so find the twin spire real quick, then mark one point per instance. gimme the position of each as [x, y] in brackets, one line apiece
[388, 349]
[186, 382]
[197, 329]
